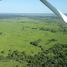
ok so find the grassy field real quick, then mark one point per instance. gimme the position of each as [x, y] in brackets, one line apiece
[29, 35]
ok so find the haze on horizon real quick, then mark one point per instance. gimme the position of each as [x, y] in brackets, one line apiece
[30, 6]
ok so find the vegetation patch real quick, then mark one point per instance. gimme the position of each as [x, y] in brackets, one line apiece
[35, 42]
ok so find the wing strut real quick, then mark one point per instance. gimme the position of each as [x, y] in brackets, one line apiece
[56, 11]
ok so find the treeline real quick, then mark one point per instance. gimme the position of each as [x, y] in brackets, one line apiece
[58, 28]
[53, 30]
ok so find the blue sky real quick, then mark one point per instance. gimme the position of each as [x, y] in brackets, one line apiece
[30, 6]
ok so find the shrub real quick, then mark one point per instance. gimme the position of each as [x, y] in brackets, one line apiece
[1, 33]
[35, 43]
[2, 52]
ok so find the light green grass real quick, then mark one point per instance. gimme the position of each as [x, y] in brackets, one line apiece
[10, 63]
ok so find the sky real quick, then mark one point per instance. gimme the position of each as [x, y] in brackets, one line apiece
[30, 6]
